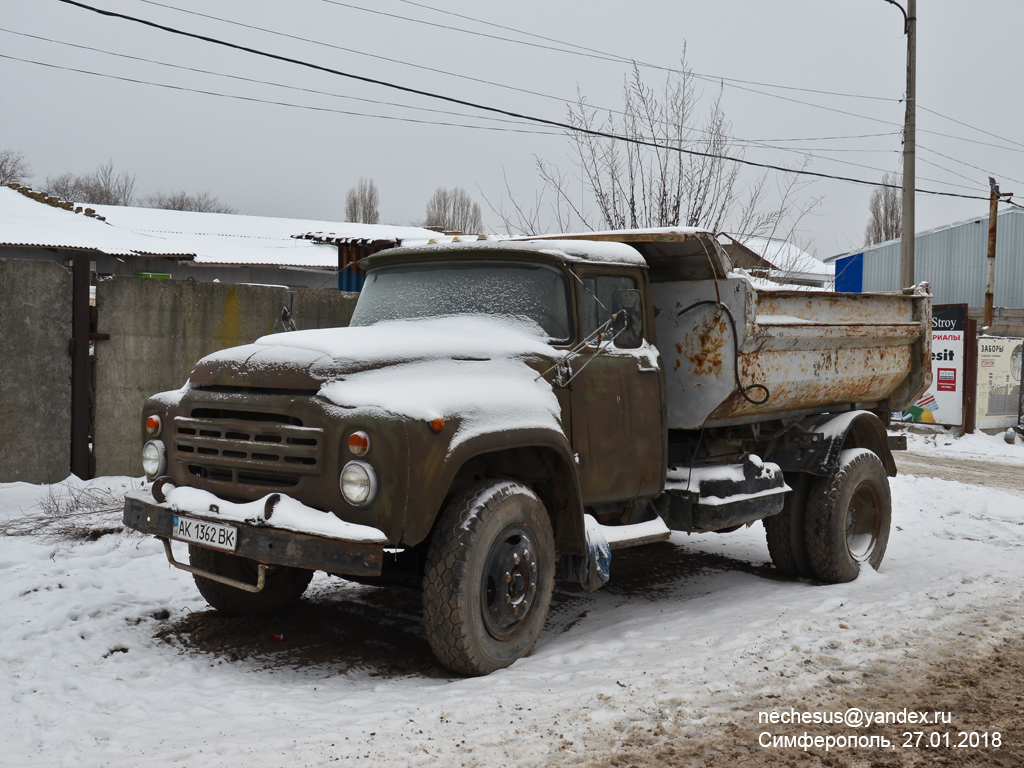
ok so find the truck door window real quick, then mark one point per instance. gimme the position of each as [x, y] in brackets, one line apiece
[600, 288]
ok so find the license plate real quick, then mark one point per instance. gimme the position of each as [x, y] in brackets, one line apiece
[212, 535]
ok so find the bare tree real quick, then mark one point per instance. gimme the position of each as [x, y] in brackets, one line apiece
[362, 203]
[886, 209]
[104, 186]
[647, 181]
[183, 201]
[453, 210]
[14, 168]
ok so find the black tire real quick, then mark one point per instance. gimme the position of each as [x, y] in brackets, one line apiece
[282, 588]
[489, 576]
[848, 517]
[786, 532]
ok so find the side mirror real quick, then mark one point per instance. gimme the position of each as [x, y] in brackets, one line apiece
[627, 318]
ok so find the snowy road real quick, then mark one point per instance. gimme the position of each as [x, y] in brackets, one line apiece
[109, 657]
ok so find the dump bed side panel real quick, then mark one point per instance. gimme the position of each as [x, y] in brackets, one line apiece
[733, 354]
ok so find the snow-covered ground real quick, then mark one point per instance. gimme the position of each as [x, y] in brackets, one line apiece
[107, 656]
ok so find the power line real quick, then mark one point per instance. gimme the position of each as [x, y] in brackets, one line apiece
[591, 52]
[496, 110]
[255, 81]
[604, 55]
[758, 145]
[547, 95]
[972, 127]
[961, 162]
[278, 103]
[738, 141]
[357, 52]
[830, 138]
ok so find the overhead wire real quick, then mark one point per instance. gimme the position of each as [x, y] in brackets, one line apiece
[967, 125]
[280, 103]
[620, 59]
[259, 82]
[961, 162]
[713, 78]
[591, 52]
[495, 110]
[738, 141]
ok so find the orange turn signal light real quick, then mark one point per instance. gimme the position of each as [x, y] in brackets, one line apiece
[437, 425]
[359, 443]
[153, 425]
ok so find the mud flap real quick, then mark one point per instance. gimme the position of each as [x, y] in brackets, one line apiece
[590, 571]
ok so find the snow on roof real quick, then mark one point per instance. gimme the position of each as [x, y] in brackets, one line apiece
[788, 257]
[566, 250]
[228, 238]
[28, 222]
[206, 238]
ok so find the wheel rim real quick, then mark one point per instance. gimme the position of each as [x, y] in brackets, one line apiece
[509, 586]
[863, 522]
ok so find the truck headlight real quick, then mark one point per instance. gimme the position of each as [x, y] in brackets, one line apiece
[154, 458]
[358, 483]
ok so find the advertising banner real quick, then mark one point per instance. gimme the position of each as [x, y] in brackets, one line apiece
[943, 402]
[999, 369]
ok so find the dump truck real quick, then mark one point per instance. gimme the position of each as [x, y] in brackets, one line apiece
[502, 413]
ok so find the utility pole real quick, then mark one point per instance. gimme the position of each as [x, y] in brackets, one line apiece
[909, 146]
[909, 140]
[990, 280]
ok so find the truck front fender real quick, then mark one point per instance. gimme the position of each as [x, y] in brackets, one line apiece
[539, 457]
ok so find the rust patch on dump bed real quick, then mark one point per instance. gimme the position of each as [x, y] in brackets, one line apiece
[710, 337]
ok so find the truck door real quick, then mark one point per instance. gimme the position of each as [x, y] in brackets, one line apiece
[616, 400]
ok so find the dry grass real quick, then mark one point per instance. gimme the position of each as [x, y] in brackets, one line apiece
[72, 513]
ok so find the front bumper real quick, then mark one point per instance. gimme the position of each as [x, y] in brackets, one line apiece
[264, 544]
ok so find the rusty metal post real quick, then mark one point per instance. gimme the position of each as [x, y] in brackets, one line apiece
[990, 280]
[80, 374]
[971, 377]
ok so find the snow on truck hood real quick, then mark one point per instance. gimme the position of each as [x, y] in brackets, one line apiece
[470, 368]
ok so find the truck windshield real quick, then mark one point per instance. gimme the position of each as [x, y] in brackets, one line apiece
[405, 292]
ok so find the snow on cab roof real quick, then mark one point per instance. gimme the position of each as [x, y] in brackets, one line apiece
[643, 234]
[45, 222]
[564, 250]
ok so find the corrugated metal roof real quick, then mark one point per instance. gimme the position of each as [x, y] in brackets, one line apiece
[237, 239]
[954, 260]
[206, 238]
[28, 222]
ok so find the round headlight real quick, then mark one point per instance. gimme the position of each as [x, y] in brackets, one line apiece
[358, 483]
[154, 458]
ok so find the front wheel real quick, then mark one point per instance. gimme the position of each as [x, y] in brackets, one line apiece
[848, 517]
[489, 577]
[282, 589]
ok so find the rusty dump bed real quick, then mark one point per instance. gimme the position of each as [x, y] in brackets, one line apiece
[789, 352]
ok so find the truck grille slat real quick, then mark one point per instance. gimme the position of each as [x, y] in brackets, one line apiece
[260, 449]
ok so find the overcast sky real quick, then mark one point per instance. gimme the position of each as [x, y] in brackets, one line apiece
[270, 159]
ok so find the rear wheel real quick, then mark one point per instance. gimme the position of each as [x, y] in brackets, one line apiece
[848, 517]
[282, 588]
[489, 577]
[786, 532]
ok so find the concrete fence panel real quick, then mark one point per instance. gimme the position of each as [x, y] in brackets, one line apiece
[35, 371]
[158, 330]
